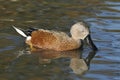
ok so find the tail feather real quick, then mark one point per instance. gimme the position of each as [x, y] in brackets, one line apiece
[20, 31]
[29, 31]
[25, 33]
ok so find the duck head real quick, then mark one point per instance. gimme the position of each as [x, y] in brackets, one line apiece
[80, 31]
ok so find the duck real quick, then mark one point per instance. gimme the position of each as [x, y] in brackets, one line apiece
[57, 40]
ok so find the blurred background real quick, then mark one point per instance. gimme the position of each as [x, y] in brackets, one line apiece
[16, 62]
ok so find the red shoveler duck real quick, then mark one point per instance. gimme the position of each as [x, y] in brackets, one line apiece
[59, 41]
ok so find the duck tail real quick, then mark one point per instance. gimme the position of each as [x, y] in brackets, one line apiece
[20, 31]
[25, 33]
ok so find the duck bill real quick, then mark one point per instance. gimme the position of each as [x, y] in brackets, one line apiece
[90, 42]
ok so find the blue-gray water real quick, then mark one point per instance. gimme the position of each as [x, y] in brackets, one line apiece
[103, 16]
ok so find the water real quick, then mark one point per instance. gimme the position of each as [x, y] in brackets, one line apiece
[18, 63]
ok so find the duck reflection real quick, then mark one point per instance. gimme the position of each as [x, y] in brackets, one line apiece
[81, 65]
[78, 64]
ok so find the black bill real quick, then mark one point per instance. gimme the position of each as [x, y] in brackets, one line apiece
[90, 42]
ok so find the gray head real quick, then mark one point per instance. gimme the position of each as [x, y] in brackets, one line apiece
[80, 31]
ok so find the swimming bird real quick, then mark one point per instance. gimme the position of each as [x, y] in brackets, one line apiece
[59, 41]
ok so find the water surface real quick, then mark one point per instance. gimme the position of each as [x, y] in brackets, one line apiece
[17, 62]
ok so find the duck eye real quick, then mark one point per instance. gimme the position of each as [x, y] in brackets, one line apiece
[81, 30]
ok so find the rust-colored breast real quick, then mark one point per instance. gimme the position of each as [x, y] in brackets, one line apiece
[43, 39]
[68, 44]
[53, 40]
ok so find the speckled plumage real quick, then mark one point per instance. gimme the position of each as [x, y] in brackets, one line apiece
[53, 40]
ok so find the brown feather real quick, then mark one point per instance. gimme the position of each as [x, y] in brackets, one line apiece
[53, 40]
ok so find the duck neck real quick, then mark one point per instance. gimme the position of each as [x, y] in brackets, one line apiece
[76, 40]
